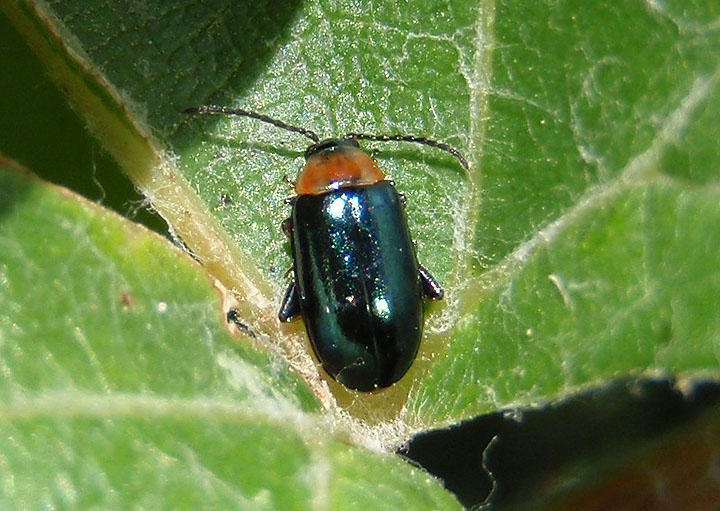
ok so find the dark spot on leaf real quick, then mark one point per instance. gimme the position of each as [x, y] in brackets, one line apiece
[127, 300]
[233, 318]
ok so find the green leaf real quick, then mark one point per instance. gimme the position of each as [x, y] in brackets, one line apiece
[41, 131]
[121, 387]
[605, 201]
[75, 276]
[581, 246]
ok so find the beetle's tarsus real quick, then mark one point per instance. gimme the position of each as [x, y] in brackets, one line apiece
[429, 286]
[290, 307]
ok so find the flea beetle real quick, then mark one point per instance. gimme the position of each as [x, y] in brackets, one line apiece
[355, 279]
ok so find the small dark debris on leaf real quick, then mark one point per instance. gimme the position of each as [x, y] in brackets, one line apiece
[127, 300]
[233, 318]
[225, 200]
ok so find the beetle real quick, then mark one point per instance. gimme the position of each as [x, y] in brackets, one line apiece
[355, 279]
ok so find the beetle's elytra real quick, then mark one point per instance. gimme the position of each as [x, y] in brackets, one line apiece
[356, 280]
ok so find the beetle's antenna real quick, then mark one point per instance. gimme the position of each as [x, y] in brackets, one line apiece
[411, 138]
[211, 109]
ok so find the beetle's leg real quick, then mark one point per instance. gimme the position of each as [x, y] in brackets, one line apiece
[429, 287]
[290, 307]
[287, 227]
[289, 181]
[403, 199]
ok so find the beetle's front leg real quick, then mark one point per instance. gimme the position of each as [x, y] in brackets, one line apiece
[287, 227]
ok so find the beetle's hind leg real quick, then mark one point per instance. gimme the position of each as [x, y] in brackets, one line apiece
[290, 307]
[429, 287]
